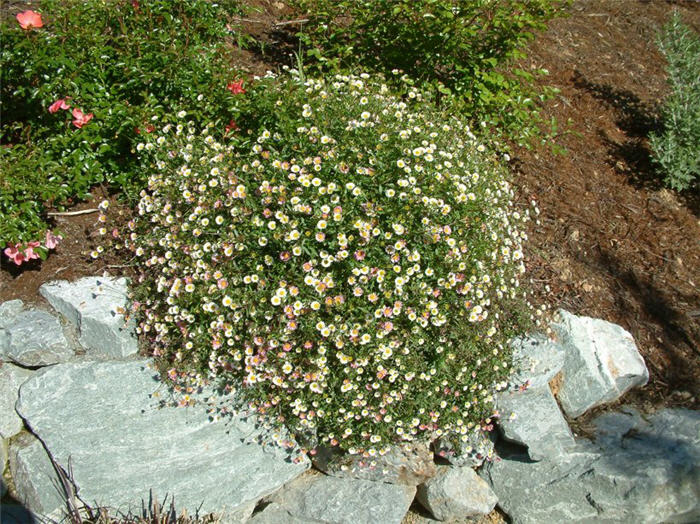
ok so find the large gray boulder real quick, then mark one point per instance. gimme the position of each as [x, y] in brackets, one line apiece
[648, 473]
[410, 464]
[536, 360]
[532, 418]
[106, 417]
[601, 364]
[35, 338]
[456, 493]
[317, 497]
[37, 485]
[11, 378]
[96, 307]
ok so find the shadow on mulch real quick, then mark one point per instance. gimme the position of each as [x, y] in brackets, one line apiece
[637, 120]
[641, 298]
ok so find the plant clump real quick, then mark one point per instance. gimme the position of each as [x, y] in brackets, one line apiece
[676, 149]
[348, 260]
[79, 81]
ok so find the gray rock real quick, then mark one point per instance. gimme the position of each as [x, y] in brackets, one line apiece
[532, 418]
[537, 360]
[410, 465]
[456, 493]
[95, 305]
[138, 445]
[35, 338]
[649, 473]
[601, 363]
[275, 513]
[11, 378]
[612, 427]
[8, 311]
[547, 491]
[3, 462]
[477, 449]
[340, 501]
[36, 483]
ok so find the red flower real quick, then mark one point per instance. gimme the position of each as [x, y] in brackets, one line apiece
[15, 254]
[232, 126]
[29, 20]
[80, 118]
[236, 87]
[59, 104]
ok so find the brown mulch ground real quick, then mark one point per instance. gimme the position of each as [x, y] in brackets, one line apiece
[612, 243]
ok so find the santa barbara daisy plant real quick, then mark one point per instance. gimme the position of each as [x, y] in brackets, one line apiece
[348, 263]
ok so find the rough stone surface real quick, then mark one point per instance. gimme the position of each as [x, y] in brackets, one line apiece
[3, 462]
[275, 513]
[95, 305]
[532, 418]
[8, 311]
[35, 479]
[138, 446]
[537, 360]
[456, 493]
[474, 452]
[11, 378]
[344, 501]
[35, 338]
[649, 473]
[601, 363]
[408, 465]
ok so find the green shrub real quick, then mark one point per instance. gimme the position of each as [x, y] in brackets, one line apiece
[116, 61]
[460, 47]
[676, 150]
[350, 264]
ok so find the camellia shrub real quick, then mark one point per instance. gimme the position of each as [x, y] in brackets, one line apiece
[80, 80]
[348, 260]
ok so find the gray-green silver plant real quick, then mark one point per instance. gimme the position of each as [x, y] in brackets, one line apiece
[676, 150]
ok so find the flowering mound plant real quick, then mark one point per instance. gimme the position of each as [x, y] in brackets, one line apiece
[348, 265]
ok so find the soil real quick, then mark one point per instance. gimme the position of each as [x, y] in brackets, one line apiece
[612, 243]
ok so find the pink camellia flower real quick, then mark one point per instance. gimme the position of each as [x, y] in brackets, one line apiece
[80, 118]
[236, 87]
[59, 104]
[52, 240]
[29, 20]
[14, 254]
[29, 253]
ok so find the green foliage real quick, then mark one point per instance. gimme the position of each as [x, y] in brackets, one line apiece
[459, 47]
[348, 260]
[117, 60]
[676, 150]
